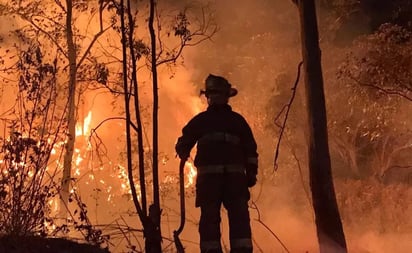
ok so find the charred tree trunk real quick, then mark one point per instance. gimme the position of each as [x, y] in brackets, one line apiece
[328, 223]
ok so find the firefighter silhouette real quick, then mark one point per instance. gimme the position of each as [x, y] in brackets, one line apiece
[227, 165]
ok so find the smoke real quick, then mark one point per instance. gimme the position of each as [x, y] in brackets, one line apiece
[7, 91]
[257, 48]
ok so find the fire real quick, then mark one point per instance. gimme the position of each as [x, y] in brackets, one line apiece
[79, 158]
[82, 153]
[84, 129]
[110, 179]
[190, 172]
[54, 204]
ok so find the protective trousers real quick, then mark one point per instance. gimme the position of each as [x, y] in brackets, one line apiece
[229, 189]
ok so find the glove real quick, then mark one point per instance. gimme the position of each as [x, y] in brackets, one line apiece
[183, 156]
[251, 179]
[181, 150]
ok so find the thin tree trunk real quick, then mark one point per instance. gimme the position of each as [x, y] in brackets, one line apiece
[328, 223]
[139, 124]
[128, 119]
[154, 210]
[71, 116]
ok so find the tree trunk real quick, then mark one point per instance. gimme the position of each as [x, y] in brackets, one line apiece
[71, 116]
[127, 96]
[330, 233]
[154, 209]
[139, 124]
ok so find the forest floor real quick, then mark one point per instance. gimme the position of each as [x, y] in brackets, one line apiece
[33, 244]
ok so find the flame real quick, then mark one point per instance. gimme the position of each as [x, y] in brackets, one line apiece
[114, 175]
[191, 173]
[54, 204]
[84, 129]
[79, 159]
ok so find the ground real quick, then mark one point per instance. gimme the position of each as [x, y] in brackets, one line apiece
[9, 244]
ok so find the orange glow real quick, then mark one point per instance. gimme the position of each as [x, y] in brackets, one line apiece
[190, 172]
[84, 129]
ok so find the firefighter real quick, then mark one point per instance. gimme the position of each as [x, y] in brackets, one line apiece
[227, 164]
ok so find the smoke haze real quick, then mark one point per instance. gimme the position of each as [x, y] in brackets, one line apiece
[257, 48]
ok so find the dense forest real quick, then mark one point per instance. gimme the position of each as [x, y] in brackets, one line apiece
[94, 94]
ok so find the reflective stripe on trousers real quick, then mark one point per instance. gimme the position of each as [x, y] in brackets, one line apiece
[210, 247]
[241, 243]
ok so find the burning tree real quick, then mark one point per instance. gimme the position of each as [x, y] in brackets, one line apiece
[54, 25]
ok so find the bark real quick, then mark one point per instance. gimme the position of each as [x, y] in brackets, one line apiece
[71, 116]
[139, 124]
[151, 222]
[154, 210]
[330, 233]
[127, 96]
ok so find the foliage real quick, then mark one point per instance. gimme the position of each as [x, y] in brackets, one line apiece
[387, 207]
[35, 127]
[82, 223]
[377, 12]
[47, 23]
[382, 61]
[23, 195]
[372, 135]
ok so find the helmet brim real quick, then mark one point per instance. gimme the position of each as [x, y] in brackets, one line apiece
[232, 92]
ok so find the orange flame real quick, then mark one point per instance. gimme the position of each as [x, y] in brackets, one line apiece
[191, 173]
[84, 129]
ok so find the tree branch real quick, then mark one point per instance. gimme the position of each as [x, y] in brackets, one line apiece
[384, 90]
[289, 105]
[254, 206]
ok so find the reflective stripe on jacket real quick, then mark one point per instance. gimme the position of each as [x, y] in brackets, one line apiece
[219, 137]
[220, 168]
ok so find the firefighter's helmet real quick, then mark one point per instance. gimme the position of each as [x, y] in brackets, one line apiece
[218, 85]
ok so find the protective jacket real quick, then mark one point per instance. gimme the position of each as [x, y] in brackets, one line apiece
[223, 137]
[226, 155]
